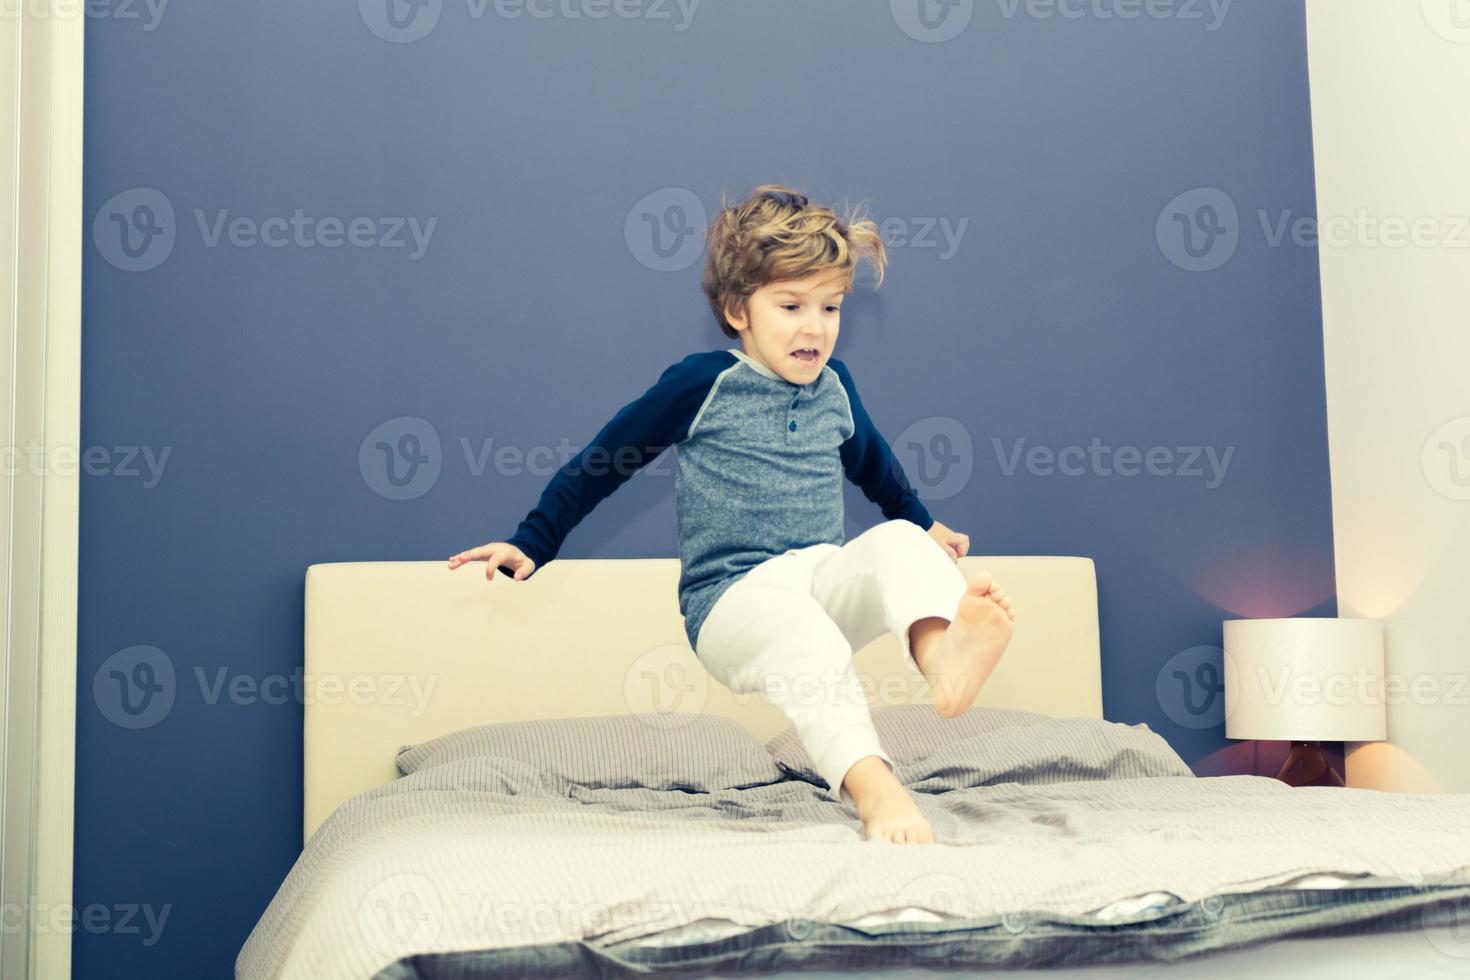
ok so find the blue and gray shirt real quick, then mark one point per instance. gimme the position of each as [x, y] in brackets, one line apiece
[761, 465]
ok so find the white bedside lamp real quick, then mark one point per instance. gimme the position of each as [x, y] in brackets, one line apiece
[1305, 681]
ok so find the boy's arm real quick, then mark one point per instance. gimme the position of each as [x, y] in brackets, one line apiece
[870, 463]
[641, 430]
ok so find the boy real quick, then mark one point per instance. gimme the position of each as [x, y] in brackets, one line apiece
[772, 597]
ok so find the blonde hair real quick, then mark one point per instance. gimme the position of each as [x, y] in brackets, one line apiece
[775, 235]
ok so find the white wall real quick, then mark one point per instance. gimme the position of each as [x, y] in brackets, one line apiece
[1390, 83]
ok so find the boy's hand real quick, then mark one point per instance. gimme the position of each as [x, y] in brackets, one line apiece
[955, 544]
[494, 554]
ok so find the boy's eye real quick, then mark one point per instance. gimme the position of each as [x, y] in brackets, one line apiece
[792, 306]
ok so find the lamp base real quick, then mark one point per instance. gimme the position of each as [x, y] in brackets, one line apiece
[1305, 765]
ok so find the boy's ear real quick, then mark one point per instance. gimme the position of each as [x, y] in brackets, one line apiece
[736, 320]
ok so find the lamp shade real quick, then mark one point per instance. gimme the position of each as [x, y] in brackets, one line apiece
[1304, 679]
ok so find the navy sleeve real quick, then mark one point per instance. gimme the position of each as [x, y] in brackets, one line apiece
[637, 434]
[869, 462]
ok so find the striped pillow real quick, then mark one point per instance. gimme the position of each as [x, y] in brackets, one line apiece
[701, 753]
[908, 732]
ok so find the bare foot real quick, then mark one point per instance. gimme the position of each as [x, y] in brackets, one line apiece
[891, 814]
[959, 664]
[886, 809]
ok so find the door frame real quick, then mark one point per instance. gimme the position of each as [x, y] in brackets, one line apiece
[40, 427]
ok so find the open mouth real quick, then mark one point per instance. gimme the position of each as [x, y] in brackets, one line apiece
[807, 355]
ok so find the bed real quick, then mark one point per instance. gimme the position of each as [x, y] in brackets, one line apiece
[1067, 842]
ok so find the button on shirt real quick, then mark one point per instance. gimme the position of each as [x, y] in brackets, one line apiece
[761, 467]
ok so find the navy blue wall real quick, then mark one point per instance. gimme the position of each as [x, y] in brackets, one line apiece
[1038, 174]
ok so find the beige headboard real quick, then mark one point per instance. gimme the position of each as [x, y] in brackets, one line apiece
[399, 652]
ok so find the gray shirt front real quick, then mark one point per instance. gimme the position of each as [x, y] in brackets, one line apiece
[761, 467]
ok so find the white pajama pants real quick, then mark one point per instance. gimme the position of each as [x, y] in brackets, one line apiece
[789, 626]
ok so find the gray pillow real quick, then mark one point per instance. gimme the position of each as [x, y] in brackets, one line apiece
[703, 754]
[909, 733]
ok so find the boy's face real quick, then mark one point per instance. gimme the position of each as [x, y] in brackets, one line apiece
[783, 317]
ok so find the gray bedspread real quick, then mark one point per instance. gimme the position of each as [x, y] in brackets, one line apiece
[491, 857]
